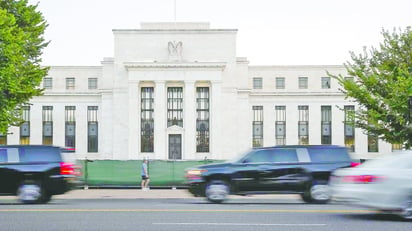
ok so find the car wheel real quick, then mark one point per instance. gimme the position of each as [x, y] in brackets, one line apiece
[30, 193]
[46, 198]
[317, 193]
[217, 191]
[305, 197]
[406, 212]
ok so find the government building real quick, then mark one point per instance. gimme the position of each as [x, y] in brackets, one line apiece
[177, 91]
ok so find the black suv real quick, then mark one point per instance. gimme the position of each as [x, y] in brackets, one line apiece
[301, 169]
[36, 172]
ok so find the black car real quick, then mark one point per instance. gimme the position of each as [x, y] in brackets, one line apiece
[298, 169]
[36, 172]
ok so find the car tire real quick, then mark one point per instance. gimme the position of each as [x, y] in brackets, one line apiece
[406, 212]
[317, 194]
[46, 198]
[305, 197]
[217, 191]
[30, 193]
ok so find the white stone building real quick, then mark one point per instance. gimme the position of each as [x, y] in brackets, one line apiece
[178, 91]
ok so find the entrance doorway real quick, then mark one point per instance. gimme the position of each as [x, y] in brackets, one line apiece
[175, 147]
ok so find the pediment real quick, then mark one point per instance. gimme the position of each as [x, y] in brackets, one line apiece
[175, 128]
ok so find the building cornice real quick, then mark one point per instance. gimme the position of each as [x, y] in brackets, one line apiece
[175, 65]
[288, 93]
[301, 94]
[174, 31]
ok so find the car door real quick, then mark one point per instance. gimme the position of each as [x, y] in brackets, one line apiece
[8, 173]
[248, 172]
[3, 170]
[286, 173]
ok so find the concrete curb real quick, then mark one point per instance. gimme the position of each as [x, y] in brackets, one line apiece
[135, 193]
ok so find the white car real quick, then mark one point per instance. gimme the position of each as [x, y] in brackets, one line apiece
[383, 184]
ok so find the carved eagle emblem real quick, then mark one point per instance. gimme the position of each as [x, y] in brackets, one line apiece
[175, 48]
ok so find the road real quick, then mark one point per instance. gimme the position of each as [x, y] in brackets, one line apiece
[191, 214]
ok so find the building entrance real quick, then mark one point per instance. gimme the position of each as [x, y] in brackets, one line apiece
[175, 147]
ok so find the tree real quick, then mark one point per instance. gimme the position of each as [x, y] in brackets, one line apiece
[381, 86]
[21, 44]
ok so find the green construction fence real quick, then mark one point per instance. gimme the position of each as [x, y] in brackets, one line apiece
[128, 173]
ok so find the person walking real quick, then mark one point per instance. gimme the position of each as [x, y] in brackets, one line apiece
[145, 176]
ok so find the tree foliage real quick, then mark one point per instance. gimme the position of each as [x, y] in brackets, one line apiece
[381, 86]
[21, 43]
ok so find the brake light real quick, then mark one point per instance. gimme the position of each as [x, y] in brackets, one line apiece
[66, 168]
[354, 164]
[362, 179]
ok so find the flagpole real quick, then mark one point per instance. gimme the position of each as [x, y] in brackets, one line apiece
[175, 11]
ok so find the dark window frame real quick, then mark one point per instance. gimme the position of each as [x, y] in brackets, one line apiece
[202, 119]
[147, 119]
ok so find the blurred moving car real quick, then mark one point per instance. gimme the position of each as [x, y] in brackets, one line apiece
[37, 172]
[383, 184]
[299, 169]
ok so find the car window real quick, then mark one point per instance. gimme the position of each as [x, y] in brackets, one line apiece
[3, 155]
[40, 154]
[319, 154]
[285, 155]
[259, 156]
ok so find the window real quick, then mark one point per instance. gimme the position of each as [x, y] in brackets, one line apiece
[260, 156]
[47, 83]
[326, 121]
[202, 119]
[92, 83]
[303, 125]
[257, 126]
[280, 82]
[349, 78]
[70, 82]
[147, 120]
[280, 125]
[349, 124]
[39, 154]
[322, 154]
[25, 126]
[397, 147]
[70, 130]
[47, 118]
[3, 155]
[373, 143]
[257, 83]
[175, 106]
[92, 129]
[303, 82]
[285, 155]
[3, 139]
[325, 82]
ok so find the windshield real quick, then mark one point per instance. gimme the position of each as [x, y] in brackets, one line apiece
[239, 157]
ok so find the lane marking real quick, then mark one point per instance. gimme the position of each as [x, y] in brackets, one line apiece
[238, 224]
[191, 210]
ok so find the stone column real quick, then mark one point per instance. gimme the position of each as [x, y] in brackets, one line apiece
[134, 120]
[215, 127]
[160, 121]
[189, 110]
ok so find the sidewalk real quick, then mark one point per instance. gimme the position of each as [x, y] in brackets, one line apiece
[153, 193]
[124, 194]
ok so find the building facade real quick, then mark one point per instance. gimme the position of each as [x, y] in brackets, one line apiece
[178, 91]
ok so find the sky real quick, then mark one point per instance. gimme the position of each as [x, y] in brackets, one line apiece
[270, 32]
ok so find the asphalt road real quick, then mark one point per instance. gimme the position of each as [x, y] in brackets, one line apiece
[191, 214]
